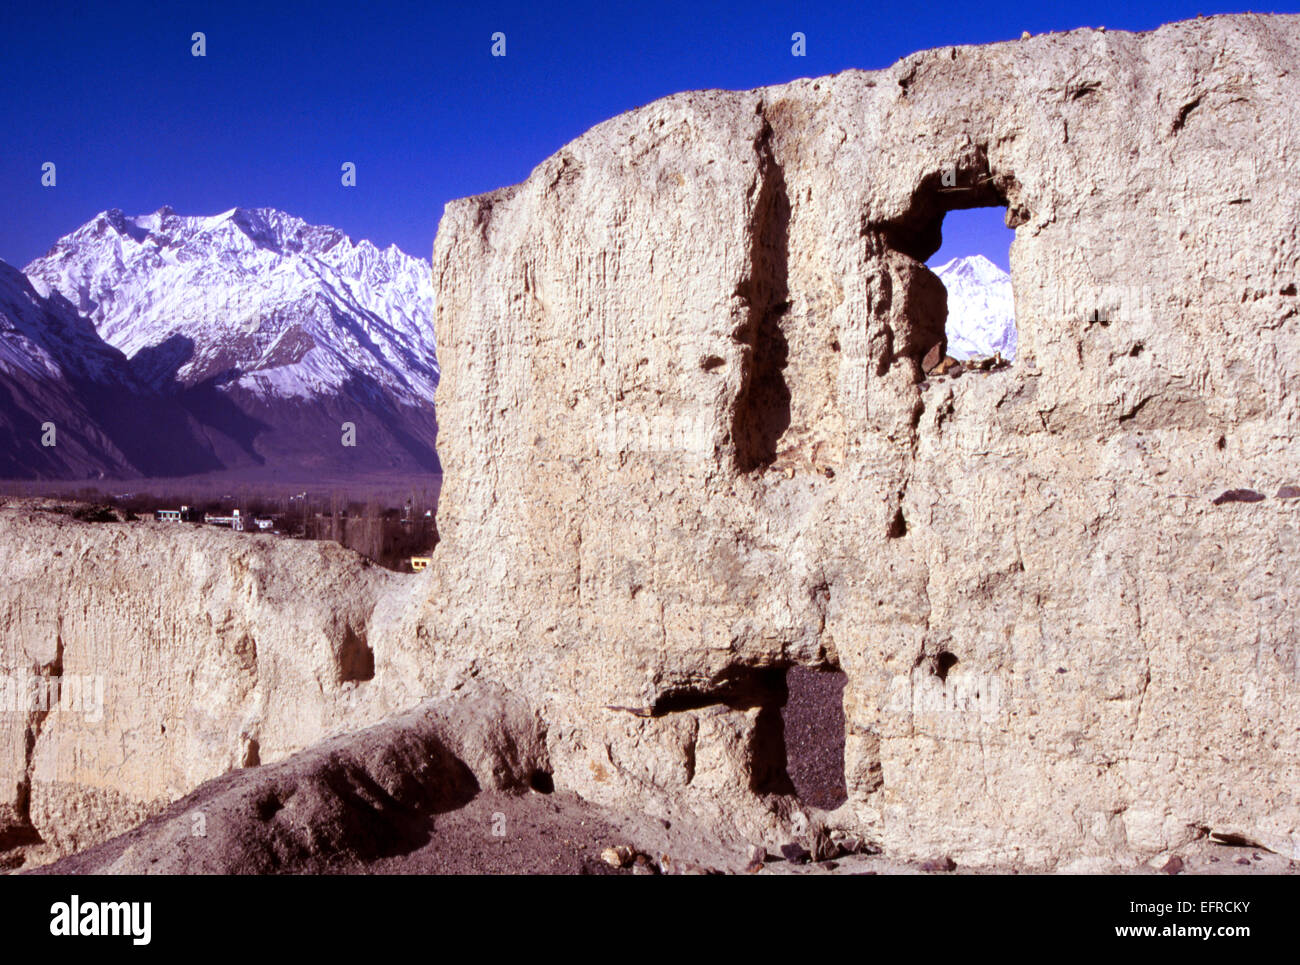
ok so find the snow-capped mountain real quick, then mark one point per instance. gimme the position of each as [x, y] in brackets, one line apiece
[271, 332]
[56, 372]
[981, 311]
[298, 308]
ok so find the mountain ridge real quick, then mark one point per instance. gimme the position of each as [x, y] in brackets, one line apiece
[268, 333]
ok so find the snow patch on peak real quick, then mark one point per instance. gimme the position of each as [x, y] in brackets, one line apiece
[124, 226]
[981, 308]
[972, 266]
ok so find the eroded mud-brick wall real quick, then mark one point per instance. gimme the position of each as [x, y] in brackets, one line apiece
[687, 440]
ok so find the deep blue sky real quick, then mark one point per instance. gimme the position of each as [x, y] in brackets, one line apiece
[409, 92]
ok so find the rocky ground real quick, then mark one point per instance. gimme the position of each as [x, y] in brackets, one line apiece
[561, 834]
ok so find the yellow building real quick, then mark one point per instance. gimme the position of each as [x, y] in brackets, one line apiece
[419, 563]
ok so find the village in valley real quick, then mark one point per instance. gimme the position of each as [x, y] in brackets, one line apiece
[391, 526]
[400, 539]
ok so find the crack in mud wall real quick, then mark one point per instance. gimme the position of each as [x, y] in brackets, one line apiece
[762, 411]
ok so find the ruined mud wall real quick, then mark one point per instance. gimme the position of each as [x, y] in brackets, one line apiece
[687, 440]
[139, 660]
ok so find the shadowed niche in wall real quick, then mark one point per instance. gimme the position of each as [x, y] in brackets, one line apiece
[813, 720]
[356, 660]
[763, 407]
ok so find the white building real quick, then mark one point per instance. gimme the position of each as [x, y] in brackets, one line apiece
[234, 520]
